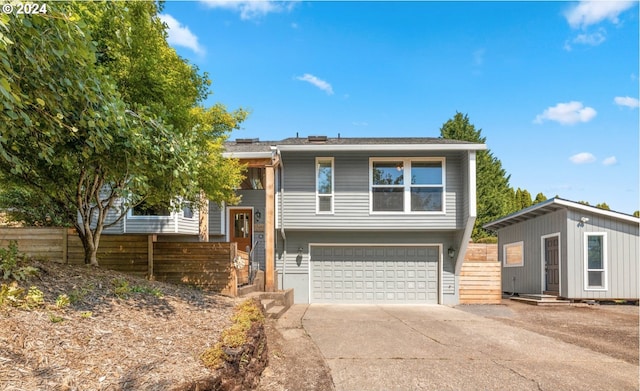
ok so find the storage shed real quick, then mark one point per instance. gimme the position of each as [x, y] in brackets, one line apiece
[570, 250]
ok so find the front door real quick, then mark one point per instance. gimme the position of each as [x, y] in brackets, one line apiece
[241, 228]
[551, 260]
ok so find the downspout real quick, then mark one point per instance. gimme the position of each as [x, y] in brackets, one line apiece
[281, 212]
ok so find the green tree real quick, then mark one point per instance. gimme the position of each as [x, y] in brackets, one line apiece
[522, 200]
[539, 198]
[493, 192]
[603, 205]
[636, 213]
[83, 127]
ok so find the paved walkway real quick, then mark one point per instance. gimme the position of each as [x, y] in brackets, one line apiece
[369, 347]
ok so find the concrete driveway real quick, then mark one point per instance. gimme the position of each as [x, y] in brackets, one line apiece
[400, 347]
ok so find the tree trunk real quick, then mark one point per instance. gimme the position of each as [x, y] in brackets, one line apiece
[203, 218]
[88, 244]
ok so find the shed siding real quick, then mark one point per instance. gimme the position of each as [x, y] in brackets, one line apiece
[622, 256]
[294, 272]
[528, 278]
[351, 195]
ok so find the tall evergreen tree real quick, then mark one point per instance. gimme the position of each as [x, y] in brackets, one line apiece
[539, 198]
[493, 192]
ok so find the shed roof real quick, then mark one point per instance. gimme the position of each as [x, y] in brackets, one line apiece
[552, 205]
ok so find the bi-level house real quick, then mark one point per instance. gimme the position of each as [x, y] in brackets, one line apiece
[356, 220]
[346, 220]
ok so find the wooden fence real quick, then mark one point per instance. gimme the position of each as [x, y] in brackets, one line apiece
[206, 265]
[480, 277]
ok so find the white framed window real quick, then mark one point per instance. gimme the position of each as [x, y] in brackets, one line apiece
[407, 185]
[513, 254]
[595, 261]
[324, 185]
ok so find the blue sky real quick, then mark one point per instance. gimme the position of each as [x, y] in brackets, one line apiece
[553, 85]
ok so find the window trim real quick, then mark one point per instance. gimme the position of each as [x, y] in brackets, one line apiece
[407, 165]
[504, 254]
[604, 270]
[333, 190]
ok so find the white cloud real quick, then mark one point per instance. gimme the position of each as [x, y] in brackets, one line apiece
[592, 39]
[627, 101]
[610, 161]
[321, 84]
[251, 9]
[180, 35]
[587, 13]
[567, 113]
[582, 158]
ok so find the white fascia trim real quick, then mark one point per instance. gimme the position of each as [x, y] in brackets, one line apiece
[472, 185]
[384, 147]
[247, 155]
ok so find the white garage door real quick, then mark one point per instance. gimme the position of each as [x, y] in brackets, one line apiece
[374, 274]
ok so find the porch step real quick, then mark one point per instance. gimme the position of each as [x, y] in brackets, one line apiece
[276, 311]
[267, 304]
[538, 296]
[541, 302]
[274, 303]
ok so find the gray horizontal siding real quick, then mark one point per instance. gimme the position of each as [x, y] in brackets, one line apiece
[216, 219]
[351, 195]
[622, 256]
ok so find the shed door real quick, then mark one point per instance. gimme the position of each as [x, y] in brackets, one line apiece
[551, 258]
[374, 274]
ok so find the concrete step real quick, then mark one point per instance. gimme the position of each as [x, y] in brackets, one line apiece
[267, 304]
[276, 311]
[270, 300]
[537, 296]
[545, 302]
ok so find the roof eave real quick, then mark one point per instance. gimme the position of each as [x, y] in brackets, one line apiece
[383, 147]
[547, 207]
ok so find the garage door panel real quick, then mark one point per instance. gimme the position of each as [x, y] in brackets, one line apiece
[376, 274]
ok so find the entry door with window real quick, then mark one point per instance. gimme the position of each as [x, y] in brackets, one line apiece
[241, 228]
[551, 261]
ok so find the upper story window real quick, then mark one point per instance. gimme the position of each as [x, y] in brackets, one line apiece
[324, 185]
[407, 185]
[595, 254]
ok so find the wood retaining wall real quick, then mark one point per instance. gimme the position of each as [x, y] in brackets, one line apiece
[480, 277]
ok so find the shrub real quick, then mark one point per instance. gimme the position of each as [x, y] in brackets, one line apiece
[9, 267]
[62, 301]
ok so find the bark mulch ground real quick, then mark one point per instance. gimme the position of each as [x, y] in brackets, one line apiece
[118, 333]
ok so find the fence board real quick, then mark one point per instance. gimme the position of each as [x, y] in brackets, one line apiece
[480, 276]
[36, 242]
